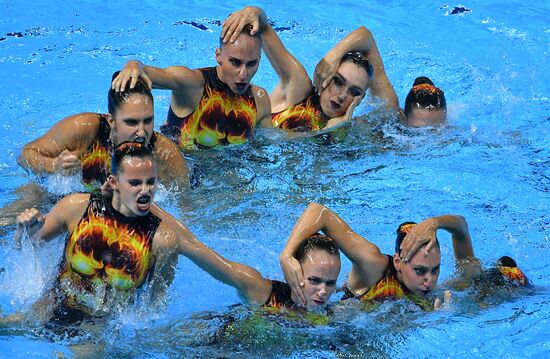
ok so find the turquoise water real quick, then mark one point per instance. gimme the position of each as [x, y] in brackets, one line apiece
[491, 164]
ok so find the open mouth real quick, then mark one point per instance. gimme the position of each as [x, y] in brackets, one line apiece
[241, 86]
[335, 105]
[140, 140]
[144, 203]
[319, 302]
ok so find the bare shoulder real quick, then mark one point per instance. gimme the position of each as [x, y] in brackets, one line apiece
[186, 76]
[263, 102]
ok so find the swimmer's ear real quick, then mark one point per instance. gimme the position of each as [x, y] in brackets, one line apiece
[110, 120]
[112, 182]
[397, 261]
[219, 56]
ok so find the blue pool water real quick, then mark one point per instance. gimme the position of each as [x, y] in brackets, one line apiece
[490, 164]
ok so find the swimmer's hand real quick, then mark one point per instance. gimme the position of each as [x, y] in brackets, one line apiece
[419, 235]
[66, 163]
[29, 221]
[292, 269]
[324, 72]
[446, 301]
[131, 72]
[235, 23]
[338, 121]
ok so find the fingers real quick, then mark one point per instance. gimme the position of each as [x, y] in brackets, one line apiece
[447, 296]
[437, 304]
[29, 217]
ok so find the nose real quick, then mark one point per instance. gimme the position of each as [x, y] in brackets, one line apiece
[323, 291]
[243, 72]
[342, 95]
[141, 130]
[429, 281]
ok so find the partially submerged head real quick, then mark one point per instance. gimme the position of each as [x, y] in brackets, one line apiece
[352, 79]
[508, 268]
[131, 113]
[238, 61]
[320, 260]
[425, 104]
[421, 272]
[133, 179]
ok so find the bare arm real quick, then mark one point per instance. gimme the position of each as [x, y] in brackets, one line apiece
[62, 218]
[250, 284]
[59, 150]
[176, 78]
[294, 83]
[361, 39]
[425, 232]
[365, 256]
[173, 168]
[263, 105]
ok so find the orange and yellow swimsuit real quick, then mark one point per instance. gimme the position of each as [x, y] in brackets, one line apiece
[388, 287]
[106, 256]
[221, 117]
[96, 160]
[280, 296]
[306, 115]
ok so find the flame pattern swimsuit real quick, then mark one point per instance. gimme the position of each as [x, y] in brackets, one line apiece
[280, 296]
[106, 255]
[96, 160]
[306, 115]
[221, 117]
[387, 287]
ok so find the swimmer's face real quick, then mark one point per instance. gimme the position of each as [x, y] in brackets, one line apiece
[133, 120]
[238, 62]
[421, 117]
[350, 81]
[421, 272]
[135, 184]
[320, 270]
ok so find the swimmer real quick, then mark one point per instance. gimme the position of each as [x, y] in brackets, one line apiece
[411, 272]
[84, 142]
[341, 78]
[115, 242]
[209, 106]
[425, 104]
[320, 264]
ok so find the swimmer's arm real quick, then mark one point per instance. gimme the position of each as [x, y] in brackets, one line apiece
[173, 168]
[295, 83]
[364, 255]
[361, 39]
[61, 147]
[250, 284]
[263, 104]
[176, 78]
[60, 219]
[425, 232]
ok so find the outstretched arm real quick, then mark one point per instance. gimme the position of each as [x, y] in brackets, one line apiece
[365, 256]
[250, 284]
[425, 232]
[360, 39]
[59, 150]
[294, 83]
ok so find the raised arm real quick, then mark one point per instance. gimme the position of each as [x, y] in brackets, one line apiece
[250, 284]
[425, 232]
[361, 39]
[294, 83]
[59, 150]
[176, 78]
[365, 256]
